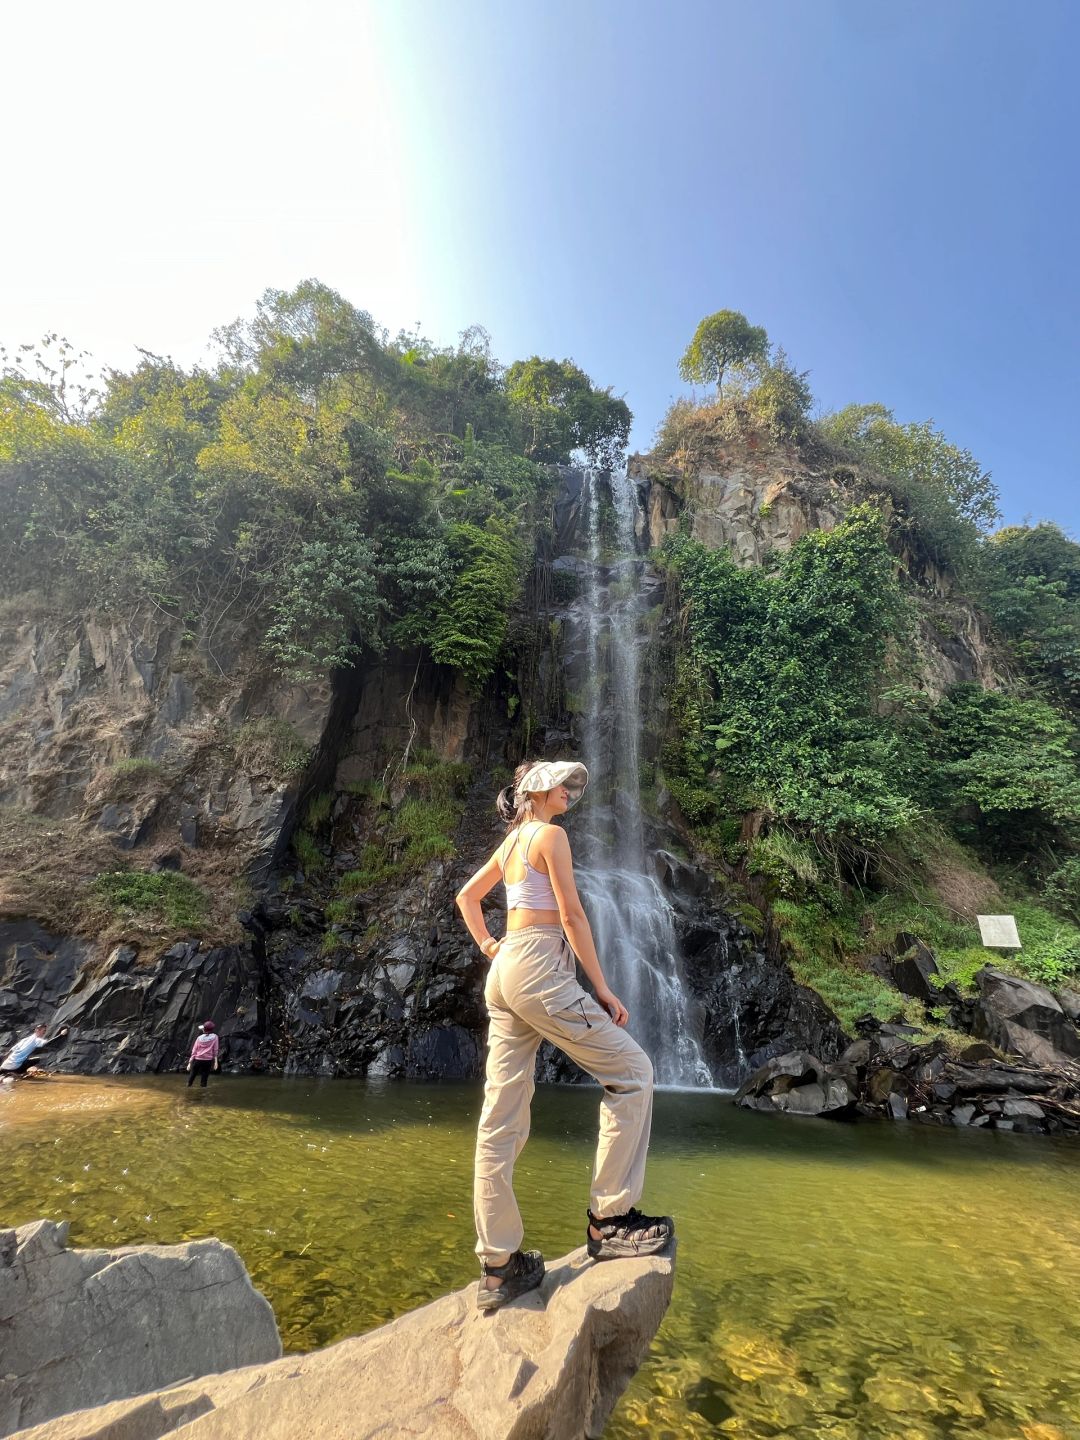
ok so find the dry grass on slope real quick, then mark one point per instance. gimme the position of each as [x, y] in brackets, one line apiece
[72, 881]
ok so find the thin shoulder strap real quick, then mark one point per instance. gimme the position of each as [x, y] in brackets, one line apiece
[532, 837]
[513, 842]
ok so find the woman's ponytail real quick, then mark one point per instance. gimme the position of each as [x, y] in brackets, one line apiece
[514, 812]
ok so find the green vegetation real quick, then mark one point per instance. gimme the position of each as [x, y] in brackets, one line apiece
[1007, 771]
[565, 412]
[944, 498]
[776, 694]
[795, 721]
[789, 706]
[166, 897]
[1029, 582]
[331, 488]
[270, 746]
[766, 394]
[137, 768]
[821, 950]
[917, 456]
[470, 628]
[311, 858]
[318, 810]
[411, 816]
[429, 775]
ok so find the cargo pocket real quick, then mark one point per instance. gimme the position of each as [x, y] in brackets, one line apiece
[564, 997]
[579, 1020]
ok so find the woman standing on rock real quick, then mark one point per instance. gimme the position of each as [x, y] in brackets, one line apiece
[532, 994]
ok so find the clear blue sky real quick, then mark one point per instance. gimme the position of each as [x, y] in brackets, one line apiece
[890, 188]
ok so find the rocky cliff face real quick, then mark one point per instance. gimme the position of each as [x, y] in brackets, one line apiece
[131, 743]
[751, 499]
[80, 697]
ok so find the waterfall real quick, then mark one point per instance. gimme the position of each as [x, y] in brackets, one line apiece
[631, 919]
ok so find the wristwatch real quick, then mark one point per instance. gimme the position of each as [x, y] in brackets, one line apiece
[491, 940]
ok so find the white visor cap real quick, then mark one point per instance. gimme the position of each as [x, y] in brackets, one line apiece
[547, 775]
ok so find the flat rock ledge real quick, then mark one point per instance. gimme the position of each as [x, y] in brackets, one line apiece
[549, 1366]
[79, 1327]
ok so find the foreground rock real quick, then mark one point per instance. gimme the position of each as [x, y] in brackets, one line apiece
[887, 1073]
[81, 1327]
[550, 1366]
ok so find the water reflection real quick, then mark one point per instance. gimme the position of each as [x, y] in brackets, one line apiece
[847, 1281]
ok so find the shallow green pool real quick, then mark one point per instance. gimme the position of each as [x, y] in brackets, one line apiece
[834, 1281]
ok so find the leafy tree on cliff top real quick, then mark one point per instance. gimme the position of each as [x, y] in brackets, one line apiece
[566, 412]
[721, 342]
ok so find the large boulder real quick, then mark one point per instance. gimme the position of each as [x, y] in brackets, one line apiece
[752, 1008]
[910, 970]
[799, 1084]
[549, 1366]
[1022, 1018]
[81, 1327]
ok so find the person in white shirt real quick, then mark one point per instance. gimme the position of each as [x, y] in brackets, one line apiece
[22, 1057]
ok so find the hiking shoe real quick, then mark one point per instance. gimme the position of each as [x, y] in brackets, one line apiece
[629, 1235]
[522, 1272]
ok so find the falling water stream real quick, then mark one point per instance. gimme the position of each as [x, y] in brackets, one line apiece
[630, 915]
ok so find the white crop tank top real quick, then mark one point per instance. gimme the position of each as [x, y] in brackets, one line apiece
[533, 891]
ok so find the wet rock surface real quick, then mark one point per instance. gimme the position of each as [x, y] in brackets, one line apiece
[549, 1366]
[82, 1327]
[753, 1007]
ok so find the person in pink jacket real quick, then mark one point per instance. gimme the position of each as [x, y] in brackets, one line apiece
[204, 1054]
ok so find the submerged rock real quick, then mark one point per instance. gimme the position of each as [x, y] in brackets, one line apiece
[87, 1326]
[549, 1366]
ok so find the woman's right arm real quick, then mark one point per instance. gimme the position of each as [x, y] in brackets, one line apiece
[468, 902]
[560, 863]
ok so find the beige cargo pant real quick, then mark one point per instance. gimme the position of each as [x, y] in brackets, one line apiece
[532, 994]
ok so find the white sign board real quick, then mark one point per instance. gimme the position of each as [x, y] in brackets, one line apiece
[999, 931]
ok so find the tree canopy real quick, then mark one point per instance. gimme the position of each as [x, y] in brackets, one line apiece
[723, 341]
[565, 412]
[918, 456]
[329, 487]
